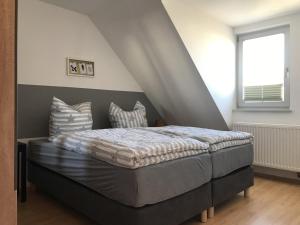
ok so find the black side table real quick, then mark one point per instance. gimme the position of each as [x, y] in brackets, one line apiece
[22, 171]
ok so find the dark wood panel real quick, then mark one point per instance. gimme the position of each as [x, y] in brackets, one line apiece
[7, 112]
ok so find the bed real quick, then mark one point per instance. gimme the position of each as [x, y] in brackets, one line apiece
[180, 203]
[138, 173]
[147, 195]
[145, 182]
[105, 189]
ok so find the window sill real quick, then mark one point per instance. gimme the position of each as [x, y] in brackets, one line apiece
[284, 110]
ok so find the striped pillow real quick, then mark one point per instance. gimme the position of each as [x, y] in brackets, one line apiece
[65, 118]
[128, 119]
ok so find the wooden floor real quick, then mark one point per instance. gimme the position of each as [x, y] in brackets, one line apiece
[271, 202]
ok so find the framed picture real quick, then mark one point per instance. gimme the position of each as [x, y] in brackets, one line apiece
[76, 67]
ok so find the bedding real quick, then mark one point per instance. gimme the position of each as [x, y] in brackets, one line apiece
[131, 147]
[215, 138]
[128, 119]
[136, 188]
[65, 118]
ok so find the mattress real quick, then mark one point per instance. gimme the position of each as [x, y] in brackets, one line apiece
[132, 187]
[227, 160]
[130, 147]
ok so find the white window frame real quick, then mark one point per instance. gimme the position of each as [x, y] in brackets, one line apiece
[263, 105]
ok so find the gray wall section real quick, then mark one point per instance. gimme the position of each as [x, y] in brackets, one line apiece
[144, 37]
[34, 106]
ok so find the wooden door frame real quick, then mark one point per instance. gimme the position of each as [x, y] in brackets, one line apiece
[8, 206]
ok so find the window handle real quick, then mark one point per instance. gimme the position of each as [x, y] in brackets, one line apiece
[287, 73]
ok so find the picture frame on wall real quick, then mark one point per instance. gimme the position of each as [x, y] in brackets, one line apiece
[83, 68]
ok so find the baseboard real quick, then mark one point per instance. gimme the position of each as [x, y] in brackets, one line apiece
[276, 173]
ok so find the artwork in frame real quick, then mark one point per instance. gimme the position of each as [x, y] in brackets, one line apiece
[76, 67]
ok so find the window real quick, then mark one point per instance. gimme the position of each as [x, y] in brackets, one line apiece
[263, 74]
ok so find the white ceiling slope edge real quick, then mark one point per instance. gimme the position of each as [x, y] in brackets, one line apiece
[231, 12]
[142, 34]
[241, 12]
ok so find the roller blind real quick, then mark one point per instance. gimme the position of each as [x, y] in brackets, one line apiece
[264, 93]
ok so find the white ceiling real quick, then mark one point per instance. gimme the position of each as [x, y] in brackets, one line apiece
[241, 12]
[231, 12]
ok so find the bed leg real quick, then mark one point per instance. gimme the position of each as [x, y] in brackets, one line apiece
[246, 192]
[211, 212]
[204, 216]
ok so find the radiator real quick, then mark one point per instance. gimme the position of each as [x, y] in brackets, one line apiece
[275, 146]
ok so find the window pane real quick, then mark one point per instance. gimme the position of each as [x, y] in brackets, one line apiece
[263, 61]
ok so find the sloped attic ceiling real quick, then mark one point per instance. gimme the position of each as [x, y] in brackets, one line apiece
[143, 36]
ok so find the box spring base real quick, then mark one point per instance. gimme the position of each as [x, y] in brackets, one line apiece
[226, 187]
[109, 212]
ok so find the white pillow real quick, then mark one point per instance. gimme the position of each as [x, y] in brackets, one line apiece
[128, 119]
[65, 118]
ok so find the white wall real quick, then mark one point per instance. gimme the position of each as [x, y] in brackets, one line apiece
[291, 118]
[47, 34]
[211, 45]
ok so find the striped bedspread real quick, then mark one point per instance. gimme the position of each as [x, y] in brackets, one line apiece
[131, 147]
[215, 138]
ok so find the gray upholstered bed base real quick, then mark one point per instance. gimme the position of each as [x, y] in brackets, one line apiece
[104, 210]
[132, 187]
[225, 161]
[109, 212]
[226, 187]
[169, 212]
